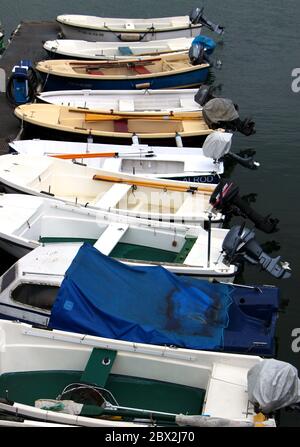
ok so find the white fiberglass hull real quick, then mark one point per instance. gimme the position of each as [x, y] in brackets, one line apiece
[82, 49]
[222, 376]
[94, 35]
[122, 194]
[28, 221]
[187, 164]
[162, 101]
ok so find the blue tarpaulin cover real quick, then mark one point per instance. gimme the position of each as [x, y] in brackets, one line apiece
[208, 43]
[103, 297]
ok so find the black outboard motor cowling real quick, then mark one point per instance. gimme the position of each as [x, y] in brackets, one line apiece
[204, 94]
[226, 198]
[240, 245]
[197, 16]
[197, 54]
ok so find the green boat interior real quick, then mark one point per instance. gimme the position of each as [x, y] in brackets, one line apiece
[136, 252]
[127, 391]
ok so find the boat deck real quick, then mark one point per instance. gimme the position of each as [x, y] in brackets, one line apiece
[26, 43]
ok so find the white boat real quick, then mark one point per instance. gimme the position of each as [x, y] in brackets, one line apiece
[159, 101]
[75, 26]
[39, 369]
[187, 164]
[28, 221]
[130, 195]
[82, 49]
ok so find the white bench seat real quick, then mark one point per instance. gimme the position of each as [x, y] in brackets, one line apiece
[126, 105]
[192, 205]
[110, 237]
[112, 197]
[227, 393]
[186, 103]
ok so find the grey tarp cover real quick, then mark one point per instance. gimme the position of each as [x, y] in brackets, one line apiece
[217, 144]
[220, 109]
[273, 384]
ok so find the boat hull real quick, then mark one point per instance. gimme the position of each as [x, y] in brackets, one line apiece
[260, 303]
[94, 35]
[31, 130]
[18, 250]
[187, 79]
[13, 248]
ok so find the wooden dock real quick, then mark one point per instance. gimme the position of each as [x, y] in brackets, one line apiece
[26, 42]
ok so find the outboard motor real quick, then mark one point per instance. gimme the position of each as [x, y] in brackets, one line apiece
[204, 94]
[240, 245]
[272, 385]
[226, 198]
[197, 54]
[222, 113]
[22, 83]
[217, 146]
[197, 16]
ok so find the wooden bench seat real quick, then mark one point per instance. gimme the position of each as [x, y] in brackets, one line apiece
[126, 105]
[141, 69]
[121, 126]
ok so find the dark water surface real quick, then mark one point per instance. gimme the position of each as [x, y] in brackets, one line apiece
[259, 51]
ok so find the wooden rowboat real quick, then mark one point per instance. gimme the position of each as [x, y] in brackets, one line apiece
[164, 71]
[64, 121]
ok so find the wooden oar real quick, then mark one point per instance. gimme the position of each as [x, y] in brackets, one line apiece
[155, 184]
[100, 154]
[103, 64]
[115, 117]
[112, 115]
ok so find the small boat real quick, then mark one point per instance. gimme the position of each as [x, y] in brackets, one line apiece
[28, 221]
[75, 26]
[129, 195]
[229, 317]
[155, 72]
[139, 101]
[187, 164]
[94, 381]
[62, 122]
[82, 49]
